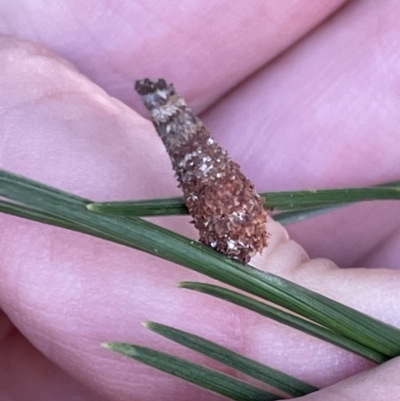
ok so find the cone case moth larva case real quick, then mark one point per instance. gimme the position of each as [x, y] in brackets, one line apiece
[225, 207]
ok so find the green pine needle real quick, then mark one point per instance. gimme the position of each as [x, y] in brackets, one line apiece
[285, 318]
[252, 368]
[207, 378]
[278, 201]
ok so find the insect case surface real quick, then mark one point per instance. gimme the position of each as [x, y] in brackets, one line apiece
[225, 207]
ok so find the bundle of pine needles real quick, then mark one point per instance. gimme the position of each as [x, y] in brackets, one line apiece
[299, 308]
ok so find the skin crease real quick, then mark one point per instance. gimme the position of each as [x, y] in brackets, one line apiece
[325, 113]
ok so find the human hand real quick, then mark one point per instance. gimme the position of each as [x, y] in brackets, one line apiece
[323, 114]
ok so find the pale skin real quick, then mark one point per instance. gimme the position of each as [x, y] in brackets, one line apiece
[323, 114]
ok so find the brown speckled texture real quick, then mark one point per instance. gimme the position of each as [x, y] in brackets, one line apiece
[226, 210]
